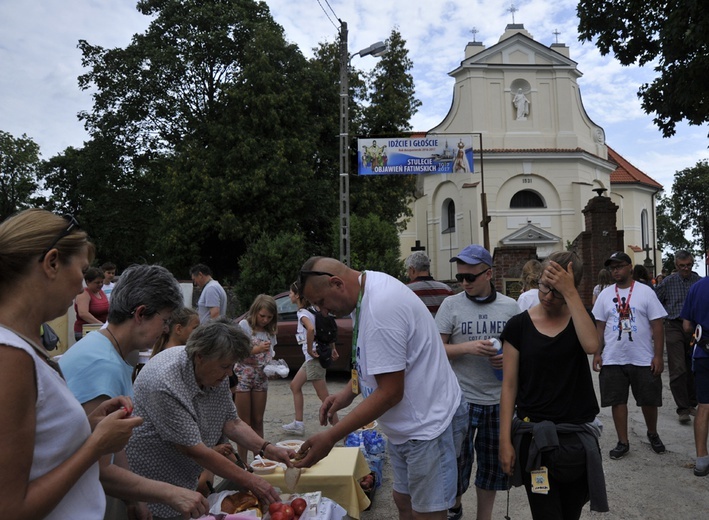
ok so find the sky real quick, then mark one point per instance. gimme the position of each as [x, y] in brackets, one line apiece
[40, 63]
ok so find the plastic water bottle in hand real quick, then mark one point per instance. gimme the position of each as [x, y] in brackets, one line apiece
[497, 346]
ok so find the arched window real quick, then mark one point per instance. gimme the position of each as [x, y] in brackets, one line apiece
[527, 199]
[644, 229]
[448, 216]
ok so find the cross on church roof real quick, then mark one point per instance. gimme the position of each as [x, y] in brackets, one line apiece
[512, 9]
[475, 31]
[556, 33]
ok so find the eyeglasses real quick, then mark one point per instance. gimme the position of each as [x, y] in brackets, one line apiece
[618, 267]
[72, 223]
[469, 277]
[683, 266]
[304, 275]
[546, 289]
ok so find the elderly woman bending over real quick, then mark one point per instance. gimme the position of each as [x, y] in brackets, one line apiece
[184, 398]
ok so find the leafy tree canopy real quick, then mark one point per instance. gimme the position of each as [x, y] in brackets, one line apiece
[684, 210]
[19, 161]
[391, 103]
[673, 35]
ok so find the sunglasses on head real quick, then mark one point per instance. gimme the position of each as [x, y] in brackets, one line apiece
[469, 277]
[304, 275]
[71, 224]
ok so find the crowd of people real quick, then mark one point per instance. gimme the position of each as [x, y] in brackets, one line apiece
[457, 382]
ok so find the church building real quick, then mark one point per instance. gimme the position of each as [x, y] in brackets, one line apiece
[538, 161]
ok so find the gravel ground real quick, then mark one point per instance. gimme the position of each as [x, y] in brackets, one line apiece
[642, 485]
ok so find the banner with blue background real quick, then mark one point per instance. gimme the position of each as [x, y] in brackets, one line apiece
[415, 155]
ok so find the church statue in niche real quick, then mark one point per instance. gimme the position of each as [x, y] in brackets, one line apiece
[521, 103]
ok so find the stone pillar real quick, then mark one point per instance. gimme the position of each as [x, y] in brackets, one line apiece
[598, 241]
[509, 261]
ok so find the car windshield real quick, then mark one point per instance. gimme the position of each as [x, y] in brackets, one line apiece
[285, 306]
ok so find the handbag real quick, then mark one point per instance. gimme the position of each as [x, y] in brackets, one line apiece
[324, 351]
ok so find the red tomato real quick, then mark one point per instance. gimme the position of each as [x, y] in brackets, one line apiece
[275, 506]
[278, 515]
[299, 505]
[288, 513]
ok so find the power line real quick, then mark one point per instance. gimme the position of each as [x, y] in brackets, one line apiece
[327, 14]
[331, 9]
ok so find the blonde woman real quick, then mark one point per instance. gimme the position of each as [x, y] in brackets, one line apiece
[48, 452]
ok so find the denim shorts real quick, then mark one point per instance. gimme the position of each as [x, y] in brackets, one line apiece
[614, 381]
[426, 471]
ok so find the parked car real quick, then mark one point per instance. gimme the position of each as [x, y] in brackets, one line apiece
[287, 347]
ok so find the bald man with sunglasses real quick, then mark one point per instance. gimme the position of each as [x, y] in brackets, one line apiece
[468, 321]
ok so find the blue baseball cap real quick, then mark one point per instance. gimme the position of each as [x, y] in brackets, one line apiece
[474, 255]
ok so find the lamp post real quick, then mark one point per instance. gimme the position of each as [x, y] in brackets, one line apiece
[376, 50]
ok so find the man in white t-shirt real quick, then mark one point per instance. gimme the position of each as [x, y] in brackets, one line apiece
[629, 321]
[403, 374]
[212, 301]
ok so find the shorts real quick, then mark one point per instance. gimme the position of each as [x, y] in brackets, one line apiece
[425, 470]
[313, 370]
[614, 381]
[483, 439]
[701, 379]
[250, 378]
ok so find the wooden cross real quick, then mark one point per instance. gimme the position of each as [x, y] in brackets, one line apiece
[418, 246]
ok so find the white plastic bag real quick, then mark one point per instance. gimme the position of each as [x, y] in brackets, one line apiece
[276, 367]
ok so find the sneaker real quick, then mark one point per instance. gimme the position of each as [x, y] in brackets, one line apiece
[692, 411]
[656, 443]
[701, 468]
[683, 418]
[455, 514]
[620, 450]
[295, 427]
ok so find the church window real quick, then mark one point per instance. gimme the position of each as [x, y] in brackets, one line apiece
[448, 216]
[527, 199]
[644, 229]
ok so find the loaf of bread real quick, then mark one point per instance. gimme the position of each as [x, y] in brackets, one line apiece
[238, 502]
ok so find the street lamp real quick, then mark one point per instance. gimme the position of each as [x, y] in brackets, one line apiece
[376, 50]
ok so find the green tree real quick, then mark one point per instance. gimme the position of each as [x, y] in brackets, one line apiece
[375, 245]
[19, 162]
[672, 35]
[211, 101]
[391, 103]
[270, 265]
[113, 203]
[687, 208]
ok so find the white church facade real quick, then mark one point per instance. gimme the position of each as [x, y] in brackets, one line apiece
[538, 159]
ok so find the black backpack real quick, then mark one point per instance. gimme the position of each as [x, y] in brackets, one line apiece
[325, 335]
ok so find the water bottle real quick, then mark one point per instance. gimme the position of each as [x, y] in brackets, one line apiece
[497, 346]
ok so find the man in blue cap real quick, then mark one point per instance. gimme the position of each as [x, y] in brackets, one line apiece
[468, 321]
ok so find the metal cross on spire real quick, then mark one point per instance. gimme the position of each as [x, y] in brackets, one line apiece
[556, 34]
[475, 32]
[512, 9]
